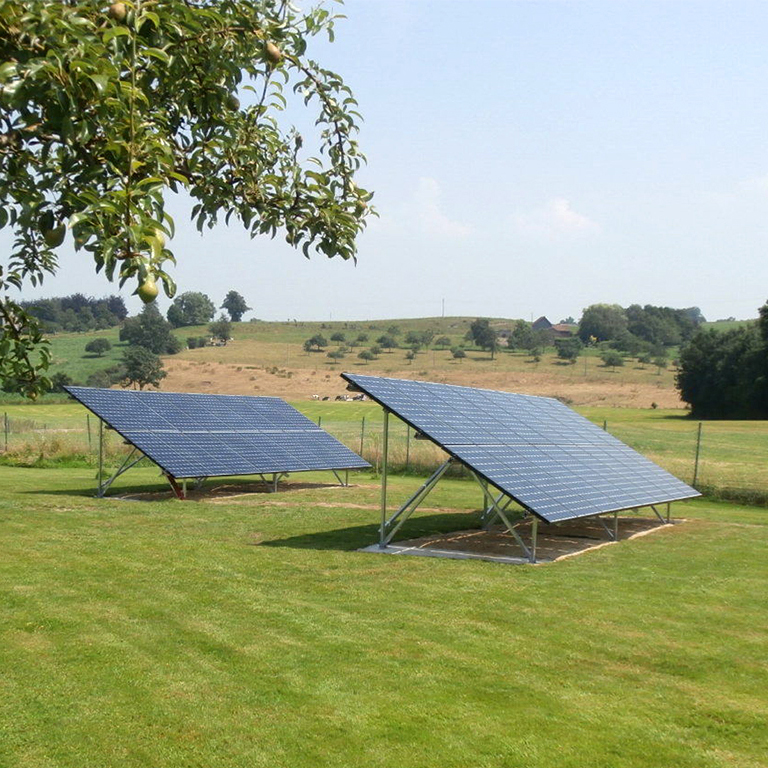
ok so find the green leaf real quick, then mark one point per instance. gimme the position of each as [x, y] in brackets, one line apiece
[113, 32]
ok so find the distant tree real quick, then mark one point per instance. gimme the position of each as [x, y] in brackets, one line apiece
[338, 337]
[394, 330]
[387, 341]
[484, 336]
[612, 359]
[361, 338]
[660, 363]
[415, 348]
[603, 321]
[336, 354]
[116, 306]
[221, 329]
[316, 342]
[142, 368]
[375, 350]
[569, 349]
[98, 346]
[522, 336]
[458, 353]
[106, 377]
[443, 342]
[190, 308]
[695, 314]
[724, 374]
[412, 337]
[59, 380]
[235, 305]
[150, 330]
[410, 355]
[192, 342]
[366, 355]
[568, 321]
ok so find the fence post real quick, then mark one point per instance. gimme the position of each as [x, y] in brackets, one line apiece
[407, 446]
[696, 460]
[362, 434]
[319, 421]
[605, 425]
[88, 427]
[5, 423]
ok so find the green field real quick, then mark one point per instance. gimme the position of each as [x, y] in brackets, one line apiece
[731, 461]
[250, 633]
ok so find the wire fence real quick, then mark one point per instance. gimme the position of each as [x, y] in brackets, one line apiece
[726, 459]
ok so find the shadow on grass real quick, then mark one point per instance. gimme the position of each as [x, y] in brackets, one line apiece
[358, 536]
[212, 491]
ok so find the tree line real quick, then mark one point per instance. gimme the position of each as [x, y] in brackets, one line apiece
[77, 313]
[724, 374]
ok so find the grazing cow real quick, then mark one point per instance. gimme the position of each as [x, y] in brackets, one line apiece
[315, 397]
[341, 397]
[326, 398]
[359, 397]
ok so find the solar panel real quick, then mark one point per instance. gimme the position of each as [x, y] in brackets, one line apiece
[190, 435]
[544, 455]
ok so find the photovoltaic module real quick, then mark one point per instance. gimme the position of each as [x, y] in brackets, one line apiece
[190, 435]
[536, 450]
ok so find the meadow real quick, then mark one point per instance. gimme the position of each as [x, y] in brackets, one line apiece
[245, 629]
[249, 632]
[731, 454]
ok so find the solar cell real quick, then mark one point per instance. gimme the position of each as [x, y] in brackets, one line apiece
[537, 450]
[190, 435]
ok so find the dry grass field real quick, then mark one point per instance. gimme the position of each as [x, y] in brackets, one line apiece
[268, 359]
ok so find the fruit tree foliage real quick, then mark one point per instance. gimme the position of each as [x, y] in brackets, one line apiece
[105, 110]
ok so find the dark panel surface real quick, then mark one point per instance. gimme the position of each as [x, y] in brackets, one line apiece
[214, 435]
[537, 450]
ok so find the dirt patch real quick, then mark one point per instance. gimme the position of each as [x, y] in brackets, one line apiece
[554, 542]
[596, 389]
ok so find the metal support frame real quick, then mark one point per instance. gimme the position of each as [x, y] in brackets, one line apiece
[488, 517]
[391, 526]
[613, 534]
[124, 467]
[530, 552]
[658, 514]
[345, 482]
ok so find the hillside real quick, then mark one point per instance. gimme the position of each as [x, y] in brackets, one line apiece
[267, 358]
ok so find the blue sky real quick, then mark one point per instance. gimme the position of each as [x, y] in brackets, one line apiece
[528, 158]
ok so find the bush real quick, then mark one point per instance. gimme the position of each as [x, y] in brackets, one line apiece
[611, 358]
[98, 346]
[192, 342]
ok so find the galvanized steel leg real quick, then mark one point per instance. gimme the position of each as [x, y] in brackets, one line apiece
[534, 538]
[384, 458]
[659, 515]
[669, 511]
[410, 506]
[611, 534]
[100, 491]
[500, 512]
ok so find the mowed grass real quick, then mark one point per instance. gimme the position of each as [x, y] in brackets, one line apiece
[249, 632]
[732, 453]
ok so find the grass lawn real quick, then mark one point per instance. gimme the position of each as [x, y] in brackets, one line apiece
[250, 633]
[732, 452]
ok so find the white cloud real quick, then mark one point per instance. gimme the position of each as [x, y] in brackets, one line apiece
[555, 220]
[430, 215]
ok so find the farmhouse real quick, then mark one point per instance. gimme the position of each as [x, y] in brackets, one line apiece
[557, 331]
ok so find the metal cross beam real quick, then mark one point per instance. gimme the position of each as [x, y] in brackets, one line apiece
[124, 467]
[530, 553]
[390, 526]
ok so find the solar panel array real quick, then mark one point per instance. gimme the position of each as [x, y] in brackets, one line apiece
[191, 435]
[538, 451]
